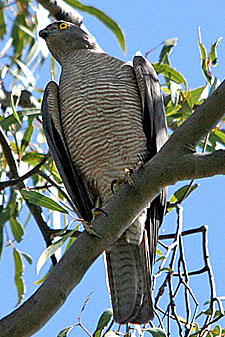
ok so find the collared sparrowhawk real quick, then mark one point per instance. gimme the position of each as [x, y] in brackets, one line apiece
[106, 116]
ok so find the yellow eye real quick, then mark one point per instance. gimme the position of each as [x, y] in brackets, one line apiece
[63, 25]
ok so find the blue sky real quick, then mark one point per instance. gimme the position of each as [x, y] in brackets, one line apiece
[145, 24]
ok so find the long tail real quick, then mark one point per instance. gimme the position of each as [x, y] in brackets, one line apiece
[129, 276]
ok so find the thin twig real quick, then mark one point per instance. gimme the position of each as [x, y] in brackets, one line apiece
[16, 181]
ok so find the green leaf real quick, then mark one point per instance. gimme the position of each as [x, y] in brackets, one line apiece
[15, 114]
[213, 52]
[166, 50]
[8, 121]
[178, 195]
[156, 332]
[19, 268]
[104, 18]
[50, 251]
[170, 73]
[43, 278]
[27, 257]
[33, 158]
[203, 53]
[27, 136]
[195, 96]
[43, 201]
[65, 332]
[2, 21]
[103, 322]
[17, 229]
[220, 135]
[169, 270]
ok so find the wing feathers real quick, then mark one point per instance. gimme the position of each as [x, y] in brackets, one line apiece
[57, 144]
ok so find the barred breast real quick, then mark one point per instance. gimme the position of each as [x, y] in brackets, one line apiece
[101, 117]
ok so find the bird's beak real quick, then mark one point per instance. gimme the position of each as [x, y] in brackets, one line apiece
[44, 33]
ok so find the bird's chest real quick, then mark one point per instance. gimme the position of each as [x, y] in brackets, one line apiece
[102, 122]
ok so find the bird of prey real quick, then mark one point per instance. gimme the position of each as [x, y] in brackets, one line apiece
[106, 116]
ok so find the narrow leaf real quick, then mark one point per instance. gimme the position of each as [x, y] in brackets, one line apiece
[156, 332]
[50, 251]
[19, 268]
[170, 73]
[220, 134]
[15, 114]
[104, 18]
[166, 50]
[16, 228]
[178, 195]
[43, 201]
[27, 136]
[103, 322]
[33, 158]
[27, 257]
[65, 332]
[2, 21]
[203, 53]
[213, 52]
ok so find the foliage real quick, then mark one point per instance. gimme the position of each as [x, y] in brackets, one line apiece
[24, 146]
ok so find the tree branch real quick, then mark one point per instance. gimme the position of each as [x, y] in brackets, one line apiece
[176, 161]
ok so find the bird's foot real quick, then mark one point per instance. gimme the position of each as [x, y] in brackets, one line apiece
[89, 228]
[117, 182]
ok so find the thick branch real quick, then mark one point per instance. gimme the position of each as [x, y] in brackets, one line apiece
[176, 161]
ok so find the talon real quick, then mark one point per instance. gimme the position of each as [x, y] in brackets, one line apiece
[116, 182]
[96, 211]
[128, 179]
[139, 166]
[88, 227]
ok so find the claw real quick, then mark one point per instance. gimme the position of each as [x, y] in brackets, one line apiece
[139, 166]
[127, 171]
[116, 182]
[128, 179]
[96, 211]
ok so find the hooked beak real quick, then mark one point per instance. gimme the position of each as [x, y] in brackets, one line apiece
[44, 33]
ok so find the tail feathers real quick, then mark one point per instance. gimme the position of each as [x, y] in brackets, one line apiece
[130, 281]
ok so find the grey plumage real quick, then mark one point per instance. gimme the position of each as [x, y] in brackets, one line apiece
[106, 116]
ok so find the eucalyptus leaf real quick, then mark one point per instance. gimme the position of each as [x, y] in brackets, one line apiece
[50, 251]
[156, 332]
[104, 18]
[19, 269]
[16, 228]
[103, 322]
[43, 201]
[65, 332]
[213, 52]
[2, 21]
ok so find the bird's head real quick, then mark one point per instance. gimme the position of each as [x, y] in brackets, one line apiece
[63, 38]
